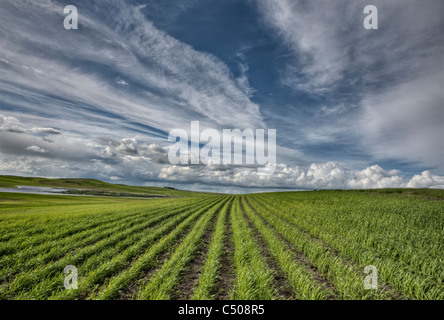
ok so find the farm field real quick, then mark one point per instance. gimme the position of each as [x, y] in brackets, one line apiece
[290, 245]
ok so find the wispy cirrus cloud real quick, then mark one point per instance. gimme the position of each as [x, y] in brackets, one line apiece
[12, 124]
[317, 176]
[382, 90]
[332, 48]
[81, 94]
[130, 47]
[99, 101]
[406, 121]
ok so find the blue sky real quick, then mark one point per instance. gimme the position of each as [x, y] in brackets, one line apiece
[353, 108]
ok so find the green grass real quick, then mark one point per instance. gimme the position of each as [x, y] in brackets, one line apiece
[210, 272]
[53, 248]
[317, 242]
[160, 285]
[401, 236]
[254, 280]
[305, 287]
[121, 260]
[147, 259]
[90, 184]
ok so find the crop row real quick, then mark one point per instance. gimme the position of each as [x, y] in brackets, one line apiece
[43, 277]
[307, 245]
[347, 282]
[352, 240]
[34, 255]
[138, 267]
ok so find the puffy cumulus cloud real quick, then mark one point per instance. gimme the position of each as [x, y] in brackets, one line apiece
[426, 180]
[36, 149]
[64, 146]
[18, 166]
[44, 151]
[133, 170]
[375, 177]
[128, 148]
[12, 124]
[156, 153]
[51, 152]
[114, 148]
[328, 175]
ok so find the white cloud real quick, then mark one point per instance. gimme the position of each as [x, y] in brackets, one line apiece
[394, 75]
[125, 146]
[426, 180]
[37, 149]
[94, 112]
[131, 148]
[242, 80]
[121, 82]
[317, 176]
[184, 84]
[331, 46]
[18, 166]
[312, 31]
[11, 124]
[406, 122]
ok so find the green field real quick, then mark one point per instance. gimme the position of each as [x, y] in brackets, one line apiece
[290, 245]
[92, 186]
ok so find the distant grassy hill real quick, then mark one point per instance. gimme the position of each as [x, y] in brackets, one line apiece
[420, 193]
[431, 194]
[90, 184]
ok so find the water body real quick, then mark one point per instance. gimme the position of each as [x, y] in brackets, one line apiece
[67, 192]
[35, 190]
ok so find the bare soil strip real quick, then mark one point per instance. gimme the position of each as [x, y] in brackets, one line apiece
[190, 276]
[224, 284]
[301, 258]
[131, 291]
[280, 280]
[392, 292]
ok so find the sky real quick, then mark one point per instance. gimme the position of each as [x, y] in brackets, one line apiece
[352, 108]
